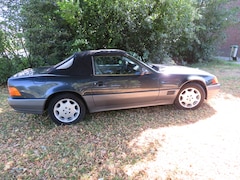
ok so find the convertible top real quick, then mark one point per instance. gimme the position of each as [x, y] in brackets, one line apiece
[82, 64]
[100, 52]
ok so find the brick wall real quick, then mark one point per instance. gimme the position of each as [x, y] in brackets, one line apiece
[232, 37]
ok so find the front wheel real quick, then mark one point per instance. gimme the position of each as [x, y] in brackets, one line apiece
[191, 96]
[66, 109]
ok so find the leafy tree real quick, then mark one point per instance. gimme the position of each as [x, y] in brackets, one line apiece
[140, 26]
[214, 17]
[11, 31]
[48, 36]
[2, 44]
[97, 23]
[12, 46]
[49, 30]
[3, 60]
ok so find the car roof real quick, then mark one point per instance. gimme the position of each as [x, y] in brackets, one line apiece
[82, 64]
[100, 52]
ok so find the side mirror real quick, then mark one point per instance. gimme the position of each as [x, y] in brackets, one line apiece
[145, 71]
[155, 67]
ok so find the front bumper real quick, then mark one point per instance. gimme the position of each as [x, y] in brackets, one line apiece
[33, 106]
[212, 90]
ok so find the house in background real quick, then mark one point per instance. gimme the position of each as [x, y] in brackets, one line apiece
[232, 37]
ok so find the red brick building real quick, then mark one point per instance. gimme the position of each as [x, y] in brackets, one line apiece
[232, 37]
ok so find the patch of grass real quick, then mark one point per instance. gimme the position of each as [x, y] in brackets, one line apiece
[101, 146]
[218, 63]
[228, 73]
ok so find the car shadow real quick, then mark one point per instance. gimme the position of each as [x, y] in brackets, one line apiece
[157, 116]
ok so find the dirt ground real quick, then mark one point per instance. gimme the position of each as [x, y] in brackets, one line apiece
[207, 149]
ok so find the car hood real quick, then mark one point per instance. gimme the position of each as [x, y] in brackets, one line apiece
[179, 70]
[33, 72]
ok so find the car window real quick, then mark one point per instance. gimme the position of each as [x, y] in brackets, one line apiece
[115, 65]
[65, 63]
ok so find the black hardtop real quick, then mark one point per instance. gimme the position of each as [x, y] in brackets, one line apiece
[99, 52]
[82, 64]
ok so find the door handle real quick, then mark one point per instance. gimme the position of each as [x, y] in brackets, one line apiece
[99, 83]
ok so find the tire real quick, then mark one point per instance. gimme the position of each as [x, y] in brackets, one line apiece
[66, 109]
[191, 96]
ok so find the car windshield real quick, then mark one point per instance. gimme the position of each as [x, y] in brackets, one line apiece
[157, 67]
[149, 65]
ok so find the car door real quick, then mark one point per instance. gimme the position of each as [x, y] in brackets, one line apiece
[119, 82]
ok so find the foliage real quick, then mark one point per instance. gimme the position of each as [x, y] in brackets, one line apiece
[5, 66]
[186, 29]
[2, 44]
[214, 17]
[13, 53]
[46, 33]
[140, 26]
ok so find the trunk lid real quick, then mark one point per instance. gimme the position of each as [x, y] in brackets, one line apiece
[33, 72]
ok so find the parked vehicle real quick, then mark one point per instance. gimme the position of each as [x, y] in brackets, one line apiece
[107, 79]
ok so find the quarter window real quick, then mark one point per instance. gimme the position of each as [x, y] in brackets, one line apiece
[65, 64]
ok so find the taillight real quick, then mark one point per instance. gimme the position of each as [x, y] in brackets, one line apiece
[215, 80]
[13, 92]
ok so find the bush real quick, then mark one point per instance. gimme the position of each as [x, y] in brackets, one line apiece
[214, 17]
[5, 70]
[8, 67]
[51, 30]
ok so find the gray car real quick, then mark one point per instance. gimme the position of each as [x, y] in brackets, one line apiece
[107, 79]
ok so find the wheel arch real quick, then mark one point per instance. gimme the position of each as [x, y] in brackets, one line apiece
[64, 92]
[200, 82]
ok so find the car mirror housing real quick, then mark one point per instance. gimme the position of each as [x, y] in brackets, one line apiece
[145, 71]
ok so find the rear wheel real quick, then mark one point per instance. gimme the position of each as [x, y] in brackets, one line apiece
[191, 96]
[66, 109]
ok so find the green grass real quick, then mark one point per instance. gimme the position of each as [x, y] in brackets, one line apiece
[32, 147]
[228, 73]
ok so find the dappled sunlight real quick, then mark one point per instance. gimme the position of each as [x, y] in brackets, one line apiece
[207, 149]
[6, 110]
[4, 107]
[225, 102]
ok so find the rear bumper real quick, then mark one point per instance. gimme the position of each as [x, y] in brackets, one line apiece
[212, 90]
[33, 106]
